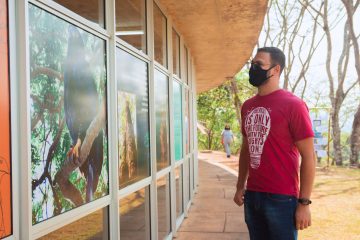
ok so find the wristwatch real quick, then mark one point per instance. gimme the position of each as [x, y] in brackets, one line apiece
[304, 201]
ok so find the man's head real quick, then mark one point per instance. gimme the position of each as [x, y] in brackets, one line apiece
[277, 57]
[268, 63]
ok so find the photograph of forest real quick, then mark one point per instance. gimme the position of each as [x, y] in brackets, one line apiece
[5, 154]
[162, 120]
[127, 137]
[69, 146]
[133, 118]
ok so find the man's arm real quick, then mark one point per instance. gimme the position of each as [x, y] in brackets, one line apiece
[307, 175]
[243, 172]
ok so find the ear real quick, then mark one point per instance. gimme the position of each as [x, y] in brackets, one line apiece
[277, 69]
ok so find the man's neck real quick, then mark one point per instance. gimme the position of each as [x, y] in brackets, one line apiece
[267, 89]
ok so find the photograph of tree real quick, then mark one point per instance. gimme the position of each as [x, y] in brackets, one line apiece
[127, 136]
[133, 118]
[5, 155]
[162, 120]
[69, 156]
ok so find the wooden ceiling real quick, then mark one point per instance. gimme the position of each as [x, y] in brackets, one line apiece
[221, 34]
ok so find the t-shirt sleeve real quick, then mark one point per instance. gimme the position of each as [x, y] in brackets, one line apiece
[300, 122]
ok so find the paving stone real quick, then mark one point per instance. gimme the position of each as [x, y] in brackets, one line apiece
[211, 236]
[213, 214]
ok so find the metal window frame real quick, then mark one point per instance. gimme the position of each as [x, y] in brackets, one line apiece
[166, 39]
[20, 89]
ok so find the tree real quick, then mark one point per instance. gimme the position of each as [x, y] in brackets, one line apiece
[351, 7]
[287, 27]
[213, 112]
[221, 106]
[338, 91]
[241, 90]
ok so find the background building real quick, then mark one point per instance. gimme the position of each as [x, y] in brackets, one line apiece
[98, 110]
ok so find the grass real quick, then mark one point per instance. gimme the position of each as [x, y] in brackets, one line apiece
[336, 201]
[336, 205]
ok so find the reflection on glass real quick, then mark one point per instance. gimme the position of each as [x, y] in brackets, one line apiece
[179, 191]
[94, 226]
[131, 22]
[177, 105]
[185, 78]
[93, 10]
[67, 94]
[190, 179]
[5, 148]
[133, 118]
[193, 172]
[187, 123]
[176, 52]
[162, 120]
[163, 201]
[190, 71]
[135, 216]
[160, 36]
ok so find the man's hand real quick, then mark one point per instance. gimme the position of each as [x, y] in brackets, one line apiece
[302, 217]
[239, 197]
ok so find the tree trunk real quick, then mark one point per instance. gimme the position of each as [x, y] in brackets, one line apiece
[336, 134]
[237, 101]
[355, 139]
[209, 139]
[355, 133]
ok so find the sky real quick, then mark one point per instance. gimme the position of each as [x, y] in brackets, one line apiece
[317, 78]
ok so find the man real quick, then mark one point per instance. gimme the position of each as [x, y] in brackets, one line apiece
[276, 128]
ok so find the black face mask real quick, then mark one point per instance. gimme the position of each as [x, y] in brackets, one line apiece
[258, 75]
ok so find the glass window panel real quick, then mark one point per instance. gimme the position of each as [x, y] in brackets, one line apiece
[133, 118]
[131, 22]
[93, 10]
[187, 123]
[188, 68]
[193, 171]
[190, 71]
[185, 64]
[176, 52]
[67, 94]
[177, 105]
[190, 179]
[94, 226]
[5, 140]
[163, 201]
[160, 36]
[135, 216]
[162, 120]
[179, 191]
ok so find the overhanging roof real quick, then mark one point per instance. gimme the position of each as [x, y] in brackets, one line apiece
[220, 33]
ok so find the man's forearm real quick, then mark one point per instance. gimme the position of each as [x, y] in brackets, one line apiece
[307, 175]
[243, 168]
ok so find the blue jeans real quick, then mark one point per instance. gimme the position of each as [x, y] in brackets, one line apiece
[270, 216]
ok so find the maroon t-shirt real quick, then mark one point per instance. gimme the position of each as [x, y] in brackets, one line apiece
[272, 124]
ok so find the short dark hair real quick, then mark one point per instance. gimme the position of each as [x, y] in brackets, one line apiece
[277, 56]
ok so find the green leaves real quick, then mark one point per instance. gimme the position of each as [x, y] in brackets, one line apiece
[216, 108]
